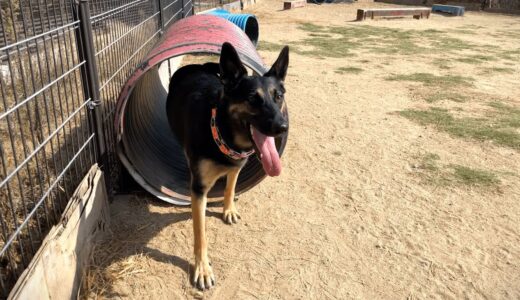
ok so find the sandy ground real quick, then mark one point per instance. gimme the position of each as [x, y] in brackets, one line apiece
[350, 217]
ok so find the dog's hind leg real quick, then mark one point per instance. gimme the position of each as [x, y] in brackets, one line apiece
[230, 213]
[203, 178]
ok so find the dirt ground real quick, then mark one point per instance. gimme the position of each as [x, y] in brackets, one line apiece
[373, 203]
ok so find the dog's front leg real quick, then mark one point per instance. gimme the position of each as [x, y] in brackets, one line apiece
[203, 274]
[230, 213]
[204, 176]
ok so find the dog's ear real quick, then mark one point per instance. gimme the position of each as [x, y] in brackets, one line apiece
[231, 68]
[279, 68]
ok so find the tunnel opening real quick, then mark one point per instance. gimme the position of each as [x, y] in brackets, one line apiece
[150, 151]
[146, 146]
[252, 30]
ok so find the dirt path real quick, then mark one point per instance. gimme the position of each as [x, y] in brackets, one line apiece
[372, 203]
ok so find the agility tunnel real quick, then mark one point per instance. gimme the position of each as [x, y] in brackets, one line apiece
[146, 146]
[246, 22]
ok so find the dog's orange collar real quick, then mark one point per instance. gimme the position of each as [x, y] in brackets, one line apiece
[221, 144]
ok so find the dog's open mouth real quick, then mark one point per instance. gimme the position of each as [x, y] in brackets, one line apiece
[266, 150]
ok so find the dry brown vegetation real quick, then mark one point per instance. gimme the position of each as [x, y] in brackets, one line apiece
[33, 138]
[400, 180]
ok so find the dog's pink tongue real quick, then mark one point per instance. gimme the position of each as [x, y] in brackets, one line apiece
[269, 155]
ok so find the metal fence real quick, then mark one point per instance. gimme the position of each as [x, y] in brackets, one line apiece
[202, 5]
[62, 66]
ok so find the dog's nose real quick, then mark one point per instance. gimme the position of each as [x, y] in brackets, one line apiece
[284, 127]
[279, 127]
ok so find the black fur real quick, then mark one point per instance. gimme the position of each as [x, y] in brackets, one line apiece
[195, 89]
[242, 101]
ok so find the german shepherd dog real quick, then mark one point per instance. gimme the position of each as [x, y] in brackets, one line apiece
[221, 116]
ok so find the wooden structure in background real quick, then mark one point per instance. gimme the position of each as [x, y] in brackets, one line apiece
[293, 4]
[416, 12]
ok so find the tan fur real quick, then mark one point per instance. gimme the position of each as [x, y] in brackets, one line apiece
[198, 208]
[209, 173]
[272, 89]
[236, 109]
[203, 274]
[230, 213]
[242, 141]
[284, 106]
[260, 92]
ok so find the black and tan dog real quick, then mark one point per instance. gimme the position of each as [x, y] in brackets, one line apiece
[221, 116]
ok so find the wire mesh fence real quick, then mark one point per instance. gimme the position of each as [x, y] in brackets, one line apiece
[62, 66]
[122, 34]
[46, 143]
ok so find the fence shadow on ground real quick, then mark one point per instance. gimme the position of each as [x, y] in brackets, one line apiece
[134, 222]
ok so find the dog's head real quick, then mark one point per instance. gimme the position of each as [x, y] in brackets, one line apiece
[257, 101]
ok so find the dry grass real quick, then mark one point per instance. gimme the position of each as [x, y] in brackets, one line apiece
[269, 46]
[436, 81]
[495, 70]
[434, 172]
[437, 95]
[499, 126]
[27, 129]
[338, 41]
[100, 273]
[348, 70]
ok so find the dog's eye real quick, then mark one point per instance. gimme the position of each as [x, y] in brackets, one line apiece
[278, 96]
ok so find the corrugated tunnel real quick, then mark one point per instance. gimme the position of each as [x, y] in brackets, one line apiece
[146, 146]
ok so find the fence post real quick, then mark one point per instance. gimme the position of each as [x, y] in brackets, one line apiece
[90, 79]
[161, 17]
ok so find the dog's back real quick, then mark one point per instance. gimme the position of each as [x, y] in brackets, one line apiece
[193, 90]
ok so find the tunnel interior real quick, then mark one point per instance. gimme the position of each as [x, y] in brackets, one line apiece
[149, 150]
[252, 30]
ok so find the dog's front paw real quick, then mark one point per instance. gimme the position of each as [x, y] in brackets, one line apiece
[203, 277]
[230, 215]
